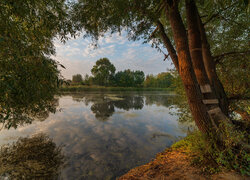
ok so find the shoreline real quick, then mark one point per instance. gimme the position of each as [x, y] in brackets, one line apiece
[175, 164]
[102, 88]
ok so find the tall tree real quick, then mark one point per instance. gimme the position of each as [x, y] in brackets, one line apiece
[77, 78]
[102, 71]
[139, 77]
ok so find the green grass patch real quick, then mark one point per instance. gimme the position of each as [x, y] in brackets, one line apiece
[211, 159]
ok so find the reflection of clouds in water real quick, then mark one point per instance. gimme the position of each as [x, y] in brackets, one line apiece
[99, 149]
[151, 128]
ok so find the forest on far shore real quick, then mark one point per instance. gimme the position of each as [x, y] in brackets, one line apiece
[104, 74]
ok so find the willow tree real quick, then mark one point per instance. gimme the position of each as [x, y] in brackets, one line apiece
[182, 31]
[28, 74]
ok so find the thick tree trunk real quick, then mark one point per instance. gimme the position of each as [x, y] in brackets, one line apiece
[195, 46]
[211, 69]
[198, 109]
[194, 40]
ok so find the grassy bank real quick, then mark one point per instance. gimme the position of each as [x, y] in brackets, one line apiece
[81, 88]
[213, 159]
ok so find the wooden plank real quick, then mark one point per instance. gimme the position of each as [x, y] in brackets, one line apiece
[206, 88]
[210, 101]
[214, 111]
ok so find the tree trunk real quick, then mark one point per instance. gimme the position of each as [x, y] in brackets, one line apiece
[198, 109]
[194, 40]
[211, 69]
[195, 47]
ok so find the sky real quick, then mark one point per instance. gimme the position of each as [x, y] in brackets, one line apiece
[79, 56]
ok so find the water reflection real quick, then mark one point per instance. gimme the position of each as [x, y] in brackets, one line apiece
[19, 117]
[103, 105]
[36, 157]
[106, 134]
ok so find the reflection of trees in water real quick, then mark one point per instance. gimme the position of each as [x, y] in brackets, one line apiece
[103, 111]
[176, 102]
[104, 104]
[36, 157]
[130, 102]
[160, 100]
[20, 116]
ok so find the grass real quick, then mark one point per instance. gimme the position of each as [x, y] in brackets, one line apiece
[80, 88]
[207, 156]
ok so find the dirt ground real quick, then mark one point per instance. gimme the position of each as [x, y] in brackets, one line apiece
[173, 165]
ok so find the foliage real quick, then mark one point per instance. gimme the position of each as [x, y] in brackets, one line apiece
[28, 76]
[98, 17]
[204, 151]
[128, 78]
[88, 80]
[227, 28]
[36, 157]
[103, 71]
[162, 80]
[77, 78]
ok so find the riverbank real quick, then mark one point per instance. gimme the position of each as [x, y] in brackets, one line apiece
[181, 161]
[176, 164]
[81, 88]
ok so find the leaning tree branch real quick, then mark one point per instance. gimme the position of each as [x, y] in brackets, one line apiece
[218, 58]
[168, 45]
[153, 33]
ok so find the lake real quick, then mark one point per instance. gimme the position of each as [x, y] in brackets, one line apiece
[104, 135]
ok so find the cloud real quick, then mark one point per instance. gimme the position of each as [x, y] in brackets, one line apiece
[116, 38]
[102, 51]
[75, 66]
[79, 55]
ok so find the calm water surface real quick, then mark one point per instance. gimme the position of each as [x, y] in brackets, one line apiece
[106, 134]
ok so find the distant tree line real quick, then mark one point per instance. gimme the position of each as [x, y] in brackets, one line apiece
[162, 80]
[104, 75]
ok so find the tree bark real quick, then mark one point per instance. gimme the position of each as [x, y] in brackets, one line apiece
[194, 38]
[211, 69]
[195, 47]
[198, 109]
